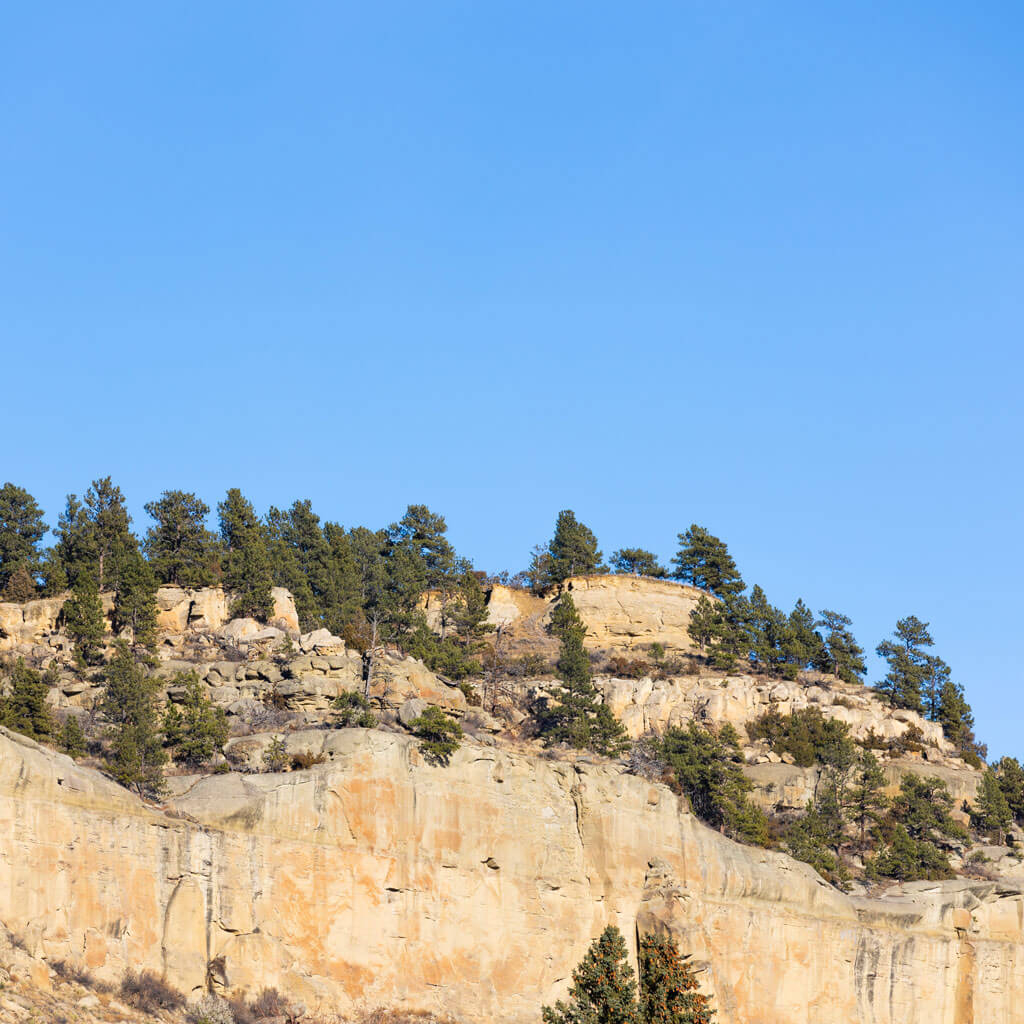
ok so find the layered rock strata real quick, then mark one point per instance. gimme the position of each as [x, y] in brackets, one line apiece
[471, 889]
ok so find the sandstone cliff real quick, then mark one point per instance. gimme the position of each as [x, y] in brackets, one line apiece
[471, 889]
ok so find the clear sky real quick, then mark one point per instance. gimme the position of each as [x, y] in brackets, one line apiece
[755, 266]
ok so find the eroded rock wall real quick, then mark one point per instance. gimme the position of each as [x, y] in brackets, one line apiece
[472, 889]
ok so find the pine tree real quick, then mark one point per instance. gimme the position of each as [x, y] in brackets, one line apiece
[733, 631]
[197, 729]
[866, 801]
[1010, 776]
[705, 622]
[135, 599]
[668, 986]
[844, 657]
[422, 533]
[247, 568]
[803, 645]
[637, 562]
[342, 604]
[573, 549]
[957, 721]
[21, 530]
[990, 813]
[75, 552]
[111, 536]
[769, 631]
[704, 561]
[24, 709]
[708, 771]
[20, 587]
[71, 738]
[573, 713]
[438, 733]
[908, 664]
[603, 989]
[84, 621]
[180, 549]
[135, 756]
[936, 676]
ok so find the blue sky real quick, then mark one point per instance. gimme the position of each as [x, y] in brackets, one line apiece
[756, 268]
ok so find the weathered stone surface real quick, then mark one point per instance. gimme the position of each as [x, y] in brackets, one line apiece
[472, 890]
[27, 623]
[621, 612]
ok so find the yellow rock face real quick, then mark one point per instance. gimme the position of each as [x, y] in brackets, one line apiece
[472, 890]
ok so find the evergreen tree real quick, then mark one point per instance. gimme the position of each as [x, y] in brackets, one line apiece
[180, 549]
[866, 800]
[197, 729]
[55, 577]
[439, 734]
[957, 721]
[24, 709]
[573, 713]
[936, 676]
[422, 533]
[708, 770]
[803, 645]
[135, 756]
[908, 664]
[844, 657]
[910, 860]
[990, 813]
[603, 989]
[705, 622]
[573, 550]
[704, 561]
[668, 986]
[21, 530]
[732, 637]
[294, 563]
[74, 554]
[1010, 776]
[637, 562]
[769, 631]
[84, 621]
[135, 599]
[354, 711]
[111, 537]
[815, 838]
[20, 586]
[71, 738]
[247, 568]
[342, 603]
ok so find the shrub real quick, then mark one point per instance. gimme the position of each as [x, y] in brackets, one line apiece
[529, 666]
[628, 668]
[353, 711]
[211, 1009]
[270, 1003]
[149, 992]
[275, 757]
[438, 734]
[807, 736]
[306, 759]
[469, 692]
[72, 970]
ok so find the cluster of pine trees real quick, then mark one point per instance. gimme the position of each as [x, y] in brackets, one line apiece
[360, 583]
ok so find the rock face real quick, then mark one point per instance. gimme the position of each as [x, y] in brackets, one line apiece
[621, 612]
[472, 890]
[178, 610]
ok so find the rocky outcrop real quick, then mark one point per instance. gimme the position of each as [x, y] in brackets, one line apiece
[473, 889]
[623, 613]
[647, 704]
[178, 611]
